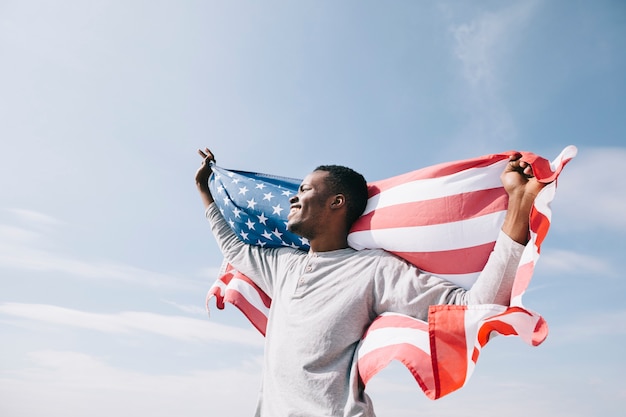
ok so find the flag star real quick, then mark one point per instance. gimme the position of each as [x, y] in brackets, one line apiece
[244, 235]
[220, 189]
[262, 219]
[235, 180]
[277, 209]
[286, 193]
[251, 204]
[222, 211]
[267, 235]
[250, 224]
[261, 244]
[236, 212]
[304, 241]
[243, 190]
[277, 233]
[268, 196]
[231, 174]
[260, 186]
[226, 200]
[232, 223]
[293, 245]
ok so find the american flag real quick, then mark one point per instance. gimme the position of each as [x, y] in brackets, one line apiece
[256, 206]
[444, 219]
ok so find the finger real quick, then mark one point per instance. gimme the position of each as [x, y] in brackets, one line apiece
[209, 154]
[202, 154]
[528, 171]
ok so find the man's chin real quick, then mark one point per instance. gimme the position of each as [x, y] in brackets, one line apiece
[292, 227]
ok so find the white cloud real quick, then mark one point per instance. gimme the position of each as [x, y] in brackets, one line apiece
[481, 42]
[17, 235]
[591, 192]
[72, 384]
[175, 327]
[22, 257]
[481, 45]
[392, 396]
[33, 217]
[591, 326]
[563, 261]
[20, 249]
[187, 308]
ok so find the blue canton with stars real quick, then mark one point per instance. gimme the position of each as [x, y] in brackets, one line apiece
[256, 206]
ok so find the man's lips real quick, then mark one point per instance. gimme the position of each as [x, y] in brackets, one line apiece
[294, 208]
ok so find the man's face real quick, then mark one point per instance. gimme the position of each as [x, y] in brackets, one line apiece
[309, 207]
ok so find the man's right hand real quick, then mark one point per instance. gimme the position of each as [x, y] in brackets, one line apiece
[202, 176]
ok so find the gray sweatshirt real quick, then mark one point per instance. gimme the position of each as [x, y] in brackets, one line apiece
[323, 302]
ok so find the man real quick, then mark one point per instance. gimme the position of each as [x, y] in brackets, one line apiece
[324, 300]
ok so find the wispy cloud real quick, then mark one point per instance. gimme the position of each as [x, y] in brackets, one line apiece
[591, 193]
[24, 247]
[33, 217]
[73, 384]
[590, 326]
[28, 258]
[562, 261]
[187, 308]
[480, 46]
[175, 327]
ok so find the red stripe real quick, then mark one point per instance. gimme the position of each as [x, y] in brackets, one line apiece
[501, 327]
[400, 321]
[448, 347]
[435, 171]
[475, 354]
[498, 324]
[216, 292]
[256, 317]
[454, 261]
[442, 210]
[540, 225]
[540, 332]
[416, 360]
[267, 301]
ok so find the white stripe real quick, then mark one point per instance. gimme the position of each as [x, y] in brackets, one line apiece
[472, 179]
[473, 319]
[566, 154]
[462, 280]
[523, 324]
[544, 198]
[220, 285]
[431, 238]
[383, 337]
[250, 293]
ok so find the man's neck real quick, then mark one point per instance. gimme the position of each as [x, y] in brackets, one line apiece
[328, 244]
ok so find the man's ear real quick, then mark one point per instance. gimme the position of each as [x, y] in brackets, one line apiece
[338, 201]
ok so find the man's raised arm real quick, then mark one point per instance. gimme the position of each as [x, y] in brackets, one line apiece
[522, 188]
[202, 177]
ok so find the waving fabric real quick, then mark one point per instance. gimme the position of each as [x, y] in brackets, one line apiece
[444, 219]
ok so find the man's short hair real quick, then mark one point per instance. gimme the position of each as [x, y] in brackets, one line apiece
[346, 181]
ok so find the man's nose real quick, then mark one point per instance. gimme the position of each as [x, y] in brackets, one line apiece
[293, 200]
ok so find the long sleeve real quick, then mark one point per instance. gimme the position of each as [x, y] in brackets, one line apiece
[495, 282]
[257, 263]
[403, 288]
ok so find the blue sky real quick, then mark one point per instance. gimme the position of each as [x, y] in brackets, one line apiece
[105, 256]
